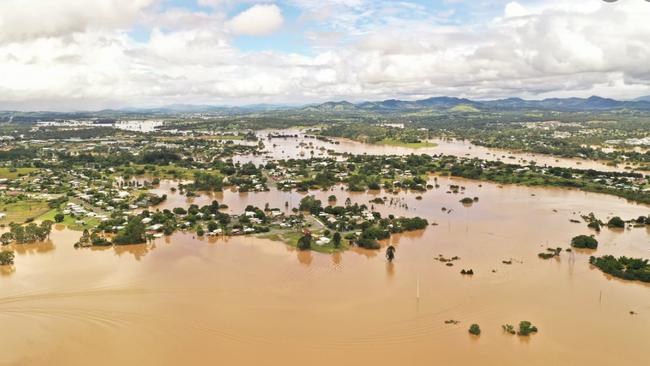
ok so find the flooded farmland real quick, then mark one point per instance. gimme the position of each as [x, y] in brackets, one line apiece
[245, 300]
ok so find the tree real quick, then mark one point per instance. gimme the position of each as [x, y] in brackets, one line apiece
[304, 243]
[6, 258]
[212, 226]
[98, 240]
[336, 239]
[390, 253]
[84, 241]
[6, 238]
[526, 328]
[616, 222]
[59, 217]
[179, 211]
[475, 329]
[584, 241]
[133, 233]
[311, 204]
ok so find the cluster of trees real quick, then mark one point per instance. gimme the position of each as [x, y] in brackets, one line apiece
[623, 267]
[6, 257]
[204, 181]
[372, 230]
[134, 232]
[550, 253]
[311, 204]
[623, 184]
[29, 233]
[373, 172]
[373, 133]
[92, 239]
[159, 157]
[584, 242]
[526, 328]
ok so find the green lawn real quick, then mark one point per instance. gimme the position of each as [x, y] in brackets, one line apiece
[20, 211]
[69, 221]
[9, 173]
[291, 238]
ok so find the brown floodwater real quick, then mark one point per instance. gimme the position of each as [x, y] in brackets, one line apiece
[303, 147]
[250, 301]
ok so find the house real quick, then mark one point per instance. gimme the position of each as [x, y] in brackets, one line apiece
[155, 227]
[323, 240]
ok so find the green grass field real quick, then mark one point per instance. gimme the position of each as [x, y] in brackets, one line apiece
[20, 211]
[69, 221]
[9, 173]
[291, 238]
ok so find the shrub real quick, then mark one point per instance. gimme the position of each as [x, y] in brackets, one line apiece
[475, 329]
[584, 241]
[616, 222]
[623, 267]
[526, 328]
[336, 239]
[304, 243]
[6, 258]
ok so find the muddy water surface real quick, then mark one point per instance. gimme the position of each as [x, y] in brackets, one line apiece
[305, 147]
[249, 301]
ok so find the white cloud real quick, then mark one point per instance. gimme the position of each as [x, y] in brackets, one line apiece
[514, 9]
[258, 20]
[25, 19]
[90, 61]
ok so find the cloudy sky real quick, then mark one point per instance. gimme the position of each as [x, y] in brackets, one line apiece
[92, 54]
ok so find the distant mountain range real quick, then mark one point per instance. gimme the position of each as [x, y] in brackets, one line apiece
[462, 104]
[450, 104]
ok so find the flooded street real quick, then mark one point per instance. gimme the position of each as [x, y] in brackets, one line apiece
[250, 301]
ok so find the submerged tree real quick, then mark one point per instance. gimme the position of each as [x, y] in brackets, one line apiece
[6, 258]
[336, 239]
[390, 253]
[475, 329]
[304, 243]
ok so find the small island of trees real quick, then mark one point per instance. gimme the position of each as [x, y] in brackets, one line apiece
[633, 269]
[474, 329]
[584, 242]
[6, 258]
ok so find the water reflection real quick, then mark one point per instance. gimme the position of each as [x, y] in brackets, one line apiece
[305, 257]
[390, 269]
[138, 251]
[33, 248]
[7, 270]
[337, 259]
